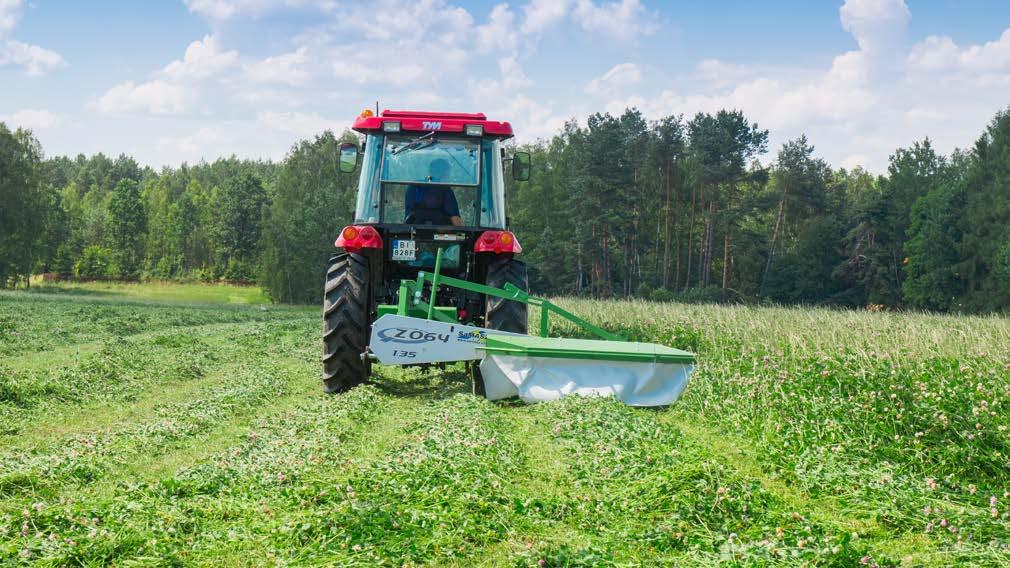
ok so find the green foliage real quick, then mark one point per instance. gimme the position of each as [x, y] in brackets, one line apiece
[311, 205]
[128, 224]
[96, 263]
[25, 205]
[239, 208]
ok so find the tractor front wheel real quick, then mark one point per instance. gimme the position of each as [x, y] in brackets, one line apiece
[345, 322]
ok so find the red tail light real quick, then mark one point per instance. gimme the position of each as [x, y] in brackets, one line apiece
[356, 237]
[498, 242]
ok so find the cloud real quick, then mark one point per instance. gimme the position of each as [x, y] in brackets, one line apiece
[538, 15]
[300, 124]
[35, 60]
[875, 24]
[623, 20]
[617, 78]
[499, 32]
[33, 119]
[284, 69]
[722, 73]
[399, 75]
[410, 21]
[203, 58]
[175, 86]
[227, 9]
[937, 53]
[153, 97]
[10, 13]
[205, 144]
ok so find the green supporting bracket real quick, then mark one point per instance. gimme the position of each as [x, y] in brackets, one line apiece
[410, 301]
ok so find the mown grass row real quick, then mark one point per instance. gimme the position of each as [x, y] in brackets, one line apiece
[31, 324]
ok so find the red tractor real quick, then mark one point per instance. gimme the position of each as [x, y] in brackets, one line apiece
[428, 181]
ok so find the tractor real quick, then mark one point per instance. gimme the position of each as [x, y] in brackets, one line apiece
[431, 185]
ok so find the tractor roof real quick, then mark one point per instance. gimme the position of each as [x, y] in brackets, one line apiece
[421, 121]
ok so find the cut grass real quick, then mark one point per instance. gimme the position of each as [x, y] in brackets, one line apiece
[142, 431]
[194, 292]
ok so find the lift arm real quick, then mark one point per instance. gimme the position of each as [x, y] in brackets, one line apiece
[411, 297]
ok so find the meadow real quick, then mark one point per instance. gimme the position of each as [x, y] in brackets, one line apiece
[138, 430]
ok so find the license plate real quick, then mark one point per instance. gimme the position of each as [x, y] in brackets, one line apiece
[404, 250]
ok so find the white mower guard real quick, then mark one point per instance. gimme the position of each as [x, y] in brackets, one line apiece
[538, 369]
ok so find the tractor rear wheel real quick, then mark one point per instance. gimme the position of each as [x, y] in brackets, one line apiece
[345, 322]
[502, 314]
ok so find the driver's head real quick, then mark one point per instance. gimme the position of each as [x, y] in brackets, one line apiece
[438, 170]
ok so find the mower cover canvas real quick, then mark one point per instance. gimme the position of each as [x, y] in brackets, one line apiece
[540, 369]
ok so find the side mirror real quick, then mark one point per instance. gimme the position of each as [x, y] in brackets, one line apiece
[521, 166]
[347, 160]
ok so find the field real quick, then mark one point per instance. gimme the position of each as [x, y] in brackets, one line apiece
[139, 431]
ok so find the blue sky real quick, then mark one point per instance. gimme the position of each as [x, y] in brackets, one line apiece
[173, 81]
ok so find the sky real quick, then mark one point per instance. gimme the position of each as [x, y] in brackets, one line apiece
[179, 81]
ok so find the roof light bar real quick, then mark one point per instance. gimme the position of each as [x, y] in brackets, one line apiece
[391, 126]
[474, 129]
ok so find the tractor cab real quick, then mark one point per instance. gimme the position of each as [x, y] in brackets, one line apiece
[406, 153]
[433, 177]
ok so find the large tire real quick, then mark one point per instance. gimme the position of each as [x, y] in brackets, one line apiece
[345, 322]
[502, 314]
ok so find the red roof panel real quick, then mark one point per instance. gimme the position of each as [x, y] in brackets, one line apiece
[423, 121]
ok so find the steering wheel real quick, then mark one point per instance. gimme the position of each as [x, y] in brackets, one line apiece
[427, 217]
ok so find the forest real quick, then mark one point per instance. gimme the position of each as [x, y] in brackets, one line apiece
[694, 209]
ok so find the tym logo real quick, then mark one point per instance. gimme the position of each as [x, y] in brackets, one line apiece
[428, 125]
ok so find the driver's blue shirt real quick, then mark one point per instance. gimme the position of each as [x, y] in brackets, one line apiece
[431, 197]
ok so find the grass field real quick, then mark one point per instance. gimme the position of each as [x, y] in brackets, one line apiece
[135, 431]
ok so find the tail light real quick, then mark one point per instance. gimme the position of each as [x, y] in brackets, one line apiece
[356, 237]
[498, 242]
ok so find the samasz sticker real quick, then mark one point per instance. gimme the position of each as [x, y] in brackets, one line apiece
[472, 336]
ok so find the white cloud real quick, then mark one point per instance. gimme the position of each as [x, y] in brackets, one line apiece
[203, 58]
[919, 115]
[542, 14]
[33, 119]
[722, 73]
[409, 21]
[205, 144]
[499, 32]
[10, 13]
[175, 86]
[513, 79]
[937, 53]
[35, 60]
[153, 97]
[300, 124]
[624, 20]
[399, 75]
[284, 69]
[617, 78]
[875, 24]
[227, 9]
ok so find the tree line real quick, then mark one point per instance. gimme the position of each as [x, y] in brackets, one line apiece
[678, 208]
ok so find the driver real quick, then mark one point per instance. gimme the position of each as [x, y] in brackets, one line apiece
[434, 202]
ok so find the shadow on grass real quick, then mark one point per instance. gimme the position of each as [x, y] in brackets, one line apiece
[416, 382]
